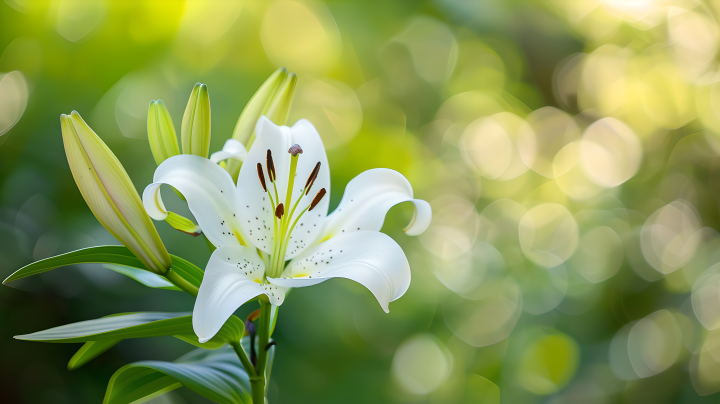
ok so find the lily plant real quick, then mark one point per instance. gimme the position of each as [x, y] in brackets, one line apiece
[262, 205]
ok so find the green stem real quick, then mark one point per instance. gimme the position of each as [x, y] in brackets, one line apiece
[258, 383]
[237, 347]
[181, 282]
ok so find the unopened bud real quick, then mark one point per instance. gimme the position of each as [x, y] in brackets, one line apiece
[110, 194]
[161, 132]
[195, 131]
[260, 104]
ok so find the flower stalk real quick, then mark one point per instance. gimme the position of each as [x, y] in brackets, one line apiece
[259, 382]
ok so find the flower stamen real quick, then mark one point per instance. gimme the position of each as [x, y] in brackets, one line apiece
[270, 166]
[261, 176]
[279, 211]
[311, 179]
[317, 199]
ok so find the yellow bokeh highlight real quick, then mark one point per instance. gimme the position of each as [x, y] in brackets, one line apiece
[301, 36]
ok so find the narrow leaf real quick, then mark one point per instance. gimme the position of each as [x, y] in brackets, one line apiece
[89, 351]
[137, 325]
[186, 275]
[107, 254]
[216, 375]
[147, 278]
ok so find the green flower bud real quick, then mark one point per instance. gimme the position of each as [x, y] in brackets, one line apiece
[110, 194]
[273, 100]
[257, 106]
[278, 110]
[195, 131]
[161, 132]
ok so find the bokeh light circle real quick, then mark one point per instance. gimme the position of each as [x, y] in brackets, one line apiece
[302, 36]
[421, 364]
[486, 321]
[552, 130]
[548, 362]
[706, 298]
[13, 99]
[610, 152]
[654, 343]
[489, 145]
[548, 234]
[670, 236]
[599, 254]
[331, 106]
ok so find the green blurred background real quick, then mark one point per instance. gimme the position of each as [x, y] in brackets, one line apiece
[569, 149]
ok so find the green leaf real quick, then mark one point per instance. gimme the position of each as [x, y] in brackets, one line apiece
[216, 375]
[183, 273]
[231, 331]
[147, 278]
[137, 325]
[107, 254]
[89, 351]
[187, 271]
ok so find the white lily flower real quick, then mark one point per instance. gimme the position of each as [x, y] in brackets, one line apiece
[277, 213]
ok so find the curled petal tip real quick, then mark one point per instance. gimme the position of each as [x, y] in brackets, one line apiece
[203, 340]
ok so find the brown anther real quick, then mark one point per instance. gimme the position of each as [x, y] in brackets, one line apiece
[311, 179]
[261, 176]
[270, 166]
[317, 199]
[295, 150]
[279, 211]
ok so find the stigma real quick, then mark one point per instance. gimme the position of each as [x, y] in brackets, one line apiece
[295, 150]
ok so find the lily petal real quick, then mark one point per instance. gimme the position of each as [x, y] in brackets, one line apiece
[232, 149]
[255, 211]
[232, 277]
[370, 258]
[368, 198]
[210, 193]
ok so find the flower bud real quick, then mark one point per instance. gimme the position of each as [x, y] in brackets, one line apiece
[161, 132]
[110, 194]
[257, 105]
[195, 132]
[278, 110]
[273, 100]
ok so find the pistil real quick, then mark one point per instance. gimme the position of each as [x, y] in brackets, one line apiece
[283, 220]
